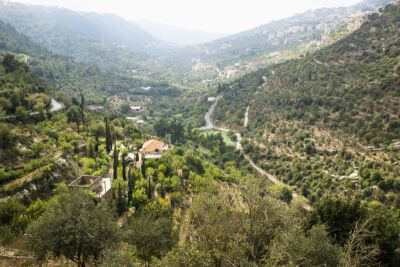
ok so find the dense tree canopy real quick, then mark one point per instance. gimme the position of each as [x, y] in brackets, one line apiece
[75, 227]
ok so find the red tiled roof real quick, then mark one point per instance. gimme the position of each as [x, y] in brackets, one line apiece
[152, 146]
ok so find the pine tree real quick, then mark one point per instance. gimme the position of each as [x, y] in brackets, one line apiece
[116, 163]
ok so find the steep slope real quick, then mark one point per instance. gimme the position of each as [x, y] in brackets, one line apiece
[343, 86]
[104, 40]
[66, 74]
[60, 30]
[177, 35]
[277, 40]
[21, 91]
[328, 122]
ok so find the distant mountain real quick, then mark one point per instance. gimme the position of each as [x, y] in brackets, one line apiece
[59, 29]
[263, 44]
[69, 75]
[106, 41]
[177, 35]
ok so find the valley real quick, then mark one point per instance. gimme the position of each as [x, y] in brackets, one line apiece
[276, 146]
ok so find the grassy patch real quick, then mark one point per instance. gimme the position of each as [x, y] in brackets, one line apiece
[225, 135]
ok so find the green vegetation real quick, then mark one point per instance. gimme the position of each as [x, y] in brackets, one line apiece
[72, 226]
[327, 122]
[326, 125]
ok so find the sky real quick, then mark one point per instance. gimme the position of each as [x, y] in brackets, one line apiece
[216, 16]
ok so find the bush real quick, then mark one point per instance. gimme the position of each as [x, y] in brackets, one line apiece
[7, 138]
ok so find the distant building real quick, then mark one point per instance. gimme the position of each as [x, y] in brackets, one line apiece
[136, 108]
[153, 149]
[95, 108]
[136, 120]
[98, 185]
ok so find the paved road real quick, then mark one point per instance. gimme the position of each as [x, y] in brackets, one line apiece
[273, 179]
[209, 124]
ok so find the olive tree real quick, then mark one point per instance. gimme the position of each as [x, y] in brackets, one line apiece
[74, 115]
[75, 227]
[151, 234]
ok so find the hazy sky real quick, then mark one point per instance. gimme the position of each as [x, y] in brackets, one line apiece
[219, 16]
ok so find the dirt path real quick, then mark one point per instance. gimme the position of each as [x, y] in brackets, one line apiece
[246, 117]
[184, 229]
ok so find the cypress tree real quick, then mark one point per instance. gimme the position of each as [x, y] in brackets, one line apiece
[130, 186]
[115, 165]
[91, 151]
[82, 105]
[121, 204]
[124, 166]
[143, 168]
[96, 148]
[149, 194]
[108, 136]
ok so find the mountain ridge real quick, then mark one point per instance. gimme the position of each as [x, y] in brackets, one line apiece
[265, 44]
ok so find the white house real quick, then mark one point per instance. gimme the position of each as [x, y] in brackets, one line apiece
[136, 108]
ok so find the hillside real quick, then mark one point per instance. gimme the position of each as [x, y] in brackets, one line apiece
[337, 109]
[104, 40]
[199, 196]
[66, 74]
[274, 42]
[61, 30]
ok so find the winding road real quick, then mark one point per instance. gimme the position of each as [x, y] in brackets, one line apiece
[210, 126]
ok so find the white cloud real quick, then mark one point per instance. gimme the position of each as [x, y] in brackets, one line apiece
[220, 16]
